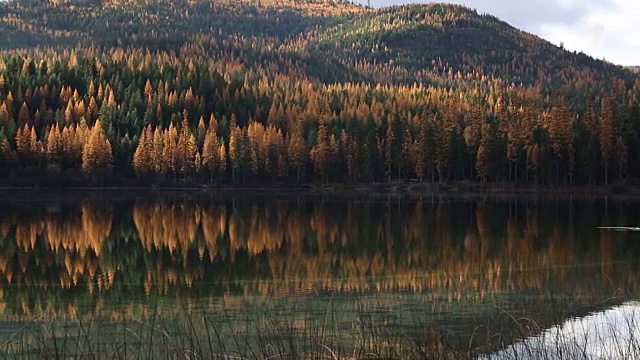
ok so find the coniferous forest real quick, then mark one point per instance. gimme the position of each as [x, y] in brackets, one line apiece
[301, 91]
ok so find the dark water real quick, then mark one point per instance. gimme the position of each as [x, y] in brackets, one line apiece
[416, 266]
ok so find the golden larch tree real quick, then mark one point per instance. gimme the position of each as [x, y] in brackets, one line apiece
[210, 151]
[54, 148]
[143, 156]
[235, 149]
[97, 156]
[222, 155]
[186, 150]
[169, 149]
[420, 150]
[23, 115]
[320, 153]
[156, 154]
[297, 150]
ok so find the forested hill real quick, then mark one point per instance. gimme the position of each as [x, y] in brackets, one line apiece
[400, 44]
[433, 42]
[262, 91]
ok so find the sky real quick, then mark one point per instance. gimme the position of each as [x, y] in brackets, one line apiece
[604, 29]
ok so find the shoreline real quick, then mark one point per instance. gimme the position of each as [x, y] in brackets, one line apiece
[401, 190]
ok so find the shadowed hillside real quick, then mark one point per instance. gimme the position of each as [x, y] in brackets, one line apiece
[423, 38]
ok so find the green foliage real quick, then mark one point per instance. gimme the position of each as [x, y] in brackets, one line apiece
[289, 65]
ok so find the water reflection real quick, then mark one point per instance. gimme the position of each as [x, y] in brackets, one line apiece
[610, 334]
[113, 259]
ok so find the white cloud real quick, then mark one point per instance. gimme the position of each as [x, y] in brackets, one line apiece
[607, 30]
[601, 28]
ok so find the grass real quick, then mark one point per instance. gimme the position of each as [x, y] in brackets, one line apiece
[226, 335]
[193, 336]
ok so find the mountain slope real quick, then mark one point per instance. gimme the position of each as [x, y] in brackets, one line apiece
[423, 38]
[283, 90]
[414, 42]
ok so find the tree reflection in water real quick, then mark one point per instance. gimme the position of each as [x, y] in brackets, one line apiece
[521, 255]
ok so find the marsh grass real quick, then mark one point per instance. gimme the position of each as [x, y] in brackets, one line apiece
[202, 336]
[205, 335]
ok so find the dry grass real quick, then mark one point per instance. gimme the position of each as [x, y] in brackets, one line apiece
[205, 336]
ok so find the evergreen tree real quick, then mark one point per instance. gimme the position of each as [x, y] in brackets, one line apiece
[97, 157]
[211, 152]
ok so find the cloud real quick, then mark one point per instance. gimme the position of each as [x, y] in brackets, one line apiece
[608, 30]
[601, 28]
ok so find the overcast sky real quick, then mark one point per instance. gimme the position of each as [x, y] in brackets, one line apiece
[605, 29]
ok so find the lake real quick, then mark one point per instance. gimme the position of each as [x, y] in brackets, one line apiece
[258, 275]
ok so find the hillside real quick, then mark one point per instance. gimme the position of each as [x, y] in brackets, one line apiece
[438, 38]
[415, 42]
[301, 90]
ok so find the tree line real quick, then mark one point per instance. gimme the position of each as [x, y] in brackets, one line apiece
[263, 128]
[249, 107]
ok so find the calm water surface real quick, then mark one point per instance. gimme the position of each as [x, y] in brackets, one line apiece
[410, 266]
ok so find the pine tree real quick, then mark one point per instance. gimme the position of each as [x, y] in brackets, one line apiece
[197, 162]
[94, 109]
[23, 116]
[350, 144]
[157, 151]
[54, 147]
[257, 147]
[561, 134]
[607, 135]
[420, 166]
[81, 136]
[274, 146]
[320, 153]
[143, 156]
[211, 152]
[389, 144]
[5, 117]
[297, 150]
[169, 146]
[201, 133]
[622, 156]
[409, 156]
[97, 157]
[25, 144]
[69, 114]
[472, 134]
[485, 151]
[335, 154]
[587, 144]
[148, 92]
[443, 145]
[482, 162]
[235, 150]
[35, 147]
[9, 103]
[186, 149]
[222, 155]
[282, 166]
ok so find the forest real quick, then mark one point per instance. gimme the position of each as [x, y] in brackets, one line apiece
[301, 91]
